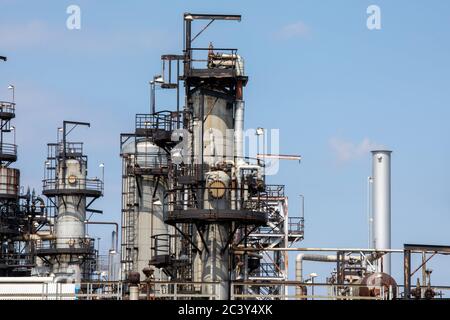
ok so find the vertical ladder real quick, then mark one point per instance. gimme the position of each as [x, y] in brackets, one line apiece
[131, 220]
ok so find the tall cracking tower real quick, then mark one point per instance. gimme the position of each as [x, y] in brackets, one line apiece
[192, 201]
[69, 253]
[213, 187]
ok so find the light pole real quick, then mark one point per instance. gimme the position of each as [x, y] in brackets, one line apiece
[57, 134]
[260, 133]
[46, 165]
[112, 252]
[312, 276]
[302, 215]
[98, 255]
[156, 79]
[152, 96]
[13, 129]
[369, 214]
[102, 166]
[11, 87]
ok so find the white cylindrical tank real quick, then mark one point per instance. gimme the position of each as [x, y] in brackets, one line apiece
[216, 115]
[239, 131]
[150, 155]
[70, 223]
[151, 213]
[381, 205]
[218, 129]
[149, 209]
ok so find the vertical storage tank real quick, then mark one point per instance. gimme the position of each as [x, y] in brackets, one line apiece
[143, 214]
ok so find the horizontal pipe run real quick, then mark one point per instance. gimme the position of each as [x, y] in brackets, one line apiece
[325, 249]
[108, 223]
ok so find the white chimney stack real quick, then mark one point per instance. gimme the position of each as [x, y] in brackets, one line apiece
[381, 205]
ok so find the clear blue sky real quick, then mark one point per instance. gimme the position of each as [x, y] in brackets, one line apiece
[332, 87]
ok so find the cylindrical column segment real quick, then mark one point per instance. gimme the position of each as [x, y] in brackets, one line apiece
[381, 205]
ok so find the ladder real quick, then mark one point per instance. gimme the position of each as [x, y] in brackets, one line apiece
[130, 219]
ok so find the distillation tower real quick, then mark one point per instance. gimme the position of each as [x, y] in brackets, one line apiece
[191, 198]
[21, 214]
[69, 253]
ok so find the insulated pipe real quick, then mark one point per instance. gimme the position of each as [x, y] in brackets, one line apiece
[239, 131]
[313, 257]
[381, 205]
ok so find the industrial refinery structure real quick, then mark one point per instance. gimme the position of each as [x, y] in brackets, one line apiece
[198, 218]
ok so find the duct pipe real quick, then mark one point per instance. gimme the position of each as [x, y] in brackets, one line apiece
[313, 257]
[381, 205]
[239, 131]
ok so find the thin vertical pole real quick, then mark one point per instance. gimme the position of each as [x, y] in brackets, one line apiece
[407, 272]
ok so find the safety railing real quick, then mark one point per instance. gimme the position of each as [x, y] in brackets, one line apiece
[7, 107]
[168, 290]
[152, 160]
[268, 270]
[296, 225]
[214, 198]
[16, 259]
[195, 167]
[162, 120]
[293, 290]
[8, 149]
[165, 244]
[161, 244]
[71, 148]
[72, 184]
[47, 289]
[83, 243]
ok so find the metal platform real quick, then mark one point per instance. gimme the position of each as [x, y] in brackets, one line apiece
[8, 152]
[162, 171]
[87, 187]
[7, 110]
[163, 261]
[59, 251]
[72, 192]
[245, 217]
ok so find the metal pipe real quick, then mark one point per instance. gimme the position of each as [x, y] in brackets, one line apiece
[313, 257]
[381, 205]
[108, 223]
[239, 131]
[326, 249]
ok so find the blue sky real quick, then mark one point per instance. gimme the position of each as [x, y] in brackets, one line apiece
[332, 87]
